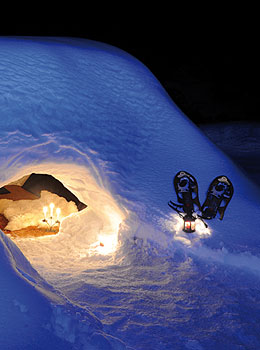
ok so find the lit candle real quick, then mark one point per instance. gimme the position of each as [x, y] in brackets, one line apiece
[58, 213]
[45, 209]
[51, 207]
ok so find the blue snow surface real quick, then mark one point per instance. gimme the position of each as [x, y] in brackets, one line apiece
[86, 104]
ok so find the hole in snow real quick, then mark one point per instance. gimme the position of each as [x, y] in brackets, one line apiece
[35, 204]
[83, 233]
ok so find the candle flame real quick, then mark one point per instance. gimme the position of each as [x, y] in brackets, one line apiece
[58, 213]
[51, 207]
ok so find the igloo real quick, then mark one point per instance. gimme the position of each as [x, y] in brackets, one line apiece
[96, 119]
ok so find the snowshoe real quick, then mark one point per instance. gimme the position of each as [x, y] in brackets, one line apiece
[219, 195]
[186, 188]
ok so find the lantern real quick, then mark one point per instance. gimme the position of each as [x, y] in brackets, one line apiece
[189, 224]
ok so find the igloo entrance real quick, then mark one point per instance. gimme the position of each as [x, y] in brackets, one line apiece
[35, 204]
[89, 230]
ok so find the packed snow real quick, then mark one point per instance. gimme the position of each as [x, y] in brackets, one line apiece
[120, 274]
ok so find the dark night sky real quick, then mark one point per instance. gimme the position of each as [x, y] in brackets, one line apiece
[211, 75]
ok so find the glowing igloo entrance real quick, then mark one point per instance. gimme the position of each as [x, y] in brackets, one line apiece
[35, 204]
[82, 233]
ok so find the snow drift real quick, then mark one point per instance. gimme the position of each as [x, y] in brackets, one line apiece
[97, 119]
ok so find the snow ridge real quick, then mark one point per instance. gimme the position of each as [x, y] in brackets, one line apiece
[100, 122]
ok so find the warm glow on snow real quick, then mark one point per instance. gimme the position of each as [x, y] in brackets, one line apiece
[201, 230]
[178, 225]
[107, 243]
[175, 225]
[92, 231]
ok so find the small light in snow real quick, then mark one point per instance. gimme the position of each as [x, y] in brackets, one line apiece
[189, 224]
[188, 239]
[108, 242]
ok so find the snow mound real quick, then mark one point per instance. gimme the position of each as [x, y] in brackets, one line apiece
[98, 120]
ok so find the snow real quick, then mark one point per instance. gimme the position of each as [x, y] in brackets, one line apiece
[120, 274]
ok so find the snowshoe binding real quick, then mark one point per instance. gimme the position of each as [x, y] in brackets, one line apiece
[219, 195]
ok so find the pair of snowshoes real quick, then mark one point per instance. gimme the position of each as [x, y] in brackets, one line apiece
[218, 196]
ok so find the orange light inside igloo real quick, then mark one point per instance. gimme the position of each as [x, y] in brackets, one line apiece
[88, 225]
[27, 205]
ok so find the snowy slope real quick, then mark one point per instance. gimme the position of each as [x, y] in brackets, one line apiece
[92, 99]
[96, 118]
[33, 314]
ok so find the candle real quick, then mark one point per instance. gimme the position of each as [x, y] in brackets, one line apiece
[51, 207]
[58, 213]
[45, 209]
